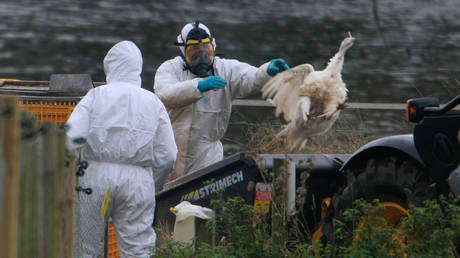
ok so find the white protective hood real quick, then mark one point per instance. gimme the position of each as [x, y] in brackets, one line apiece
[181, 38]
[123, 63]
[120, 123]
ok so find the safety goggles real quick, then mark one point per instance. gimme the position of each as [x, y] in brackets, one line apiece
[194, 46]
[196, 41]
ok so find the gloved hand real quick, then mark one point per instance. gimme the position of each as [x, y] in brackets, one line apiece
[212, 82]
[276, 66]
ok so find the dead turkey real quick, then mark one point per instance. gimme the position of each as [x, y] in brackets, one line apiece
[309, 100]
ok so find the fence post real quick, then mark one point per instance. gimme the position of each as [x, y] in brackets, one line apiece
[28, 227]
[51, 184]
[67, 193]
[9, 138]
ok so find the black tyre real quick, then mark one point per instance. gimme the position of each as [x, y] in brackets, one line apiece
[397, 179]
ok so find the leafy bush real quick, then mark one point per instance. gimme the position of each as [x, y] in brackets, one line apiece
[365, 233]
[238, 236]
[431, 231]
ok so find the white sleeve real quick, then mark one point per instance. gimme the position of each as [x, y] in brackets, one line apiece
[171, 89]
[164, 149]
[79, 123]
[245, 79]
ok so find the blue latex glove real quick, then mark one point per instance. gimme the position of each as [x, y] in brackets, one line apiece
[276, 66]
[212, 82]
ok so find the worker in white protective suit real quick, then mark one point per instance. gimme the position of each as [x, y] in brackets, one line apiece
[124, 133]
[197, 88]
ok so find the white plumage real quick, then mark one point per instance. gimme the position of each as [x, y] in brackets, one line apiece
[309, 100]
[185, 209]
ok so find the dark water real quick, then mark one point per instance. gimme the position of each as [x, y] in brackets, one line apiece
[404, 49]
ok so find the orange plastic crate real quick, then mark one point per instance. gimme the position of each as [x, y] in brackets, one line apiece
[112, 247]
[50, 110]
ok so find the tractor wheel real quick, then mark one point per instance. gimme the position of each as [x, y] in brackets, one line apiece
[397, 181]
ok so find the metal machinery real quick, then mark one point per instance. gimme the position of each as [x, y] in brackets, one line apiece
[398, 170]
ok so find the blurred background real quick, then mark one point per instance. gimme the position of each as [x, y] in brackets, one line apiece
[404, 49]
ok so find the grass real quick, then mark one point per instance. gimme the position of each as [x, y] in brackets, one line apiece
[342, 138]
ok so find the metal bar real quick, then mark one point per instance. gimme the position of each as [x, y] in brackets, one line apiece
[353, 105]
[443, 108]
[252, 102]
[391, 106]
[265, 103]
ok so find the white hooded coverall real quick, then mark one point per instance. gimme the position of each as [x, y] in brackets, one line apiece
[127, 129]
[200, 119]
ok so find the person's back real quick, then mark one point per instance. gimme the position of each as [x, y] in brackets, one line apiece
[120, 129]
